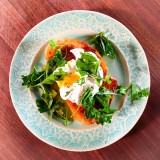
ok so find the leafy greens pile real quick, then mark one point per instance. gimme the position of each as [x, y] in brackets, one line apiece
[50, 100]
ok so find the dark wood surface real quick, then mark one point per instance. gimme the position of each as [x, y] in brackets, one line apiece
[142, 17]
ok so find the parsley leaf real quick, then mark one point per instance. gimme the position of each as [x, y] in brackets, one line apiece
[103, 45]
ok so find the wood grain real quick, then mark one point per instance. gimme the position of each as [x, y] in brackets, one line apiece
[17, 17]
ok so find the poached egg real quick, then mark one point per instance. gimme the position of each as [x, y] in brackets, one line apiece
[70, 89]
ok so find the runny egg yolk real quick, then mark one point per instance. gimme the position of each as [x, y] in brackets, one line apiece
[68, 80]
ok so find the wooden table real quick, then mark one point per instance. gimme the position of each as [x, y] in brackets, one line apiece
[17, 17]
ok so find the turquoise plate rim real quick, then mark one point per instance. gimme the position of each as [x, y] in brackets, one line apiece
[79, 140]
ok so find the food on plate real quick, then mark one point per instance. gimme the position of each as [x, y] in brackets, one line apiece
[74, 82]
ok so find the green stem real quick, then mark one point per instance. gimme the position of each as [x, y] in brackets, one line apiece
[66, 120]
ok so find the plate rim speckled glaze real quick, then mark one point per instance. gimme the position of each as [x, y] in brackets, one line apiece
[63, 138]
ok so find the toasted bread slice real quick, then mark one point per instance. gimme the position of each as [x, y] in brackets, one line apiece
[68, 44]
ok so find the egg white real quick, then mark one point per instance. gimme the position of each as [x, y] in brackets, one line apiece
[75, 91]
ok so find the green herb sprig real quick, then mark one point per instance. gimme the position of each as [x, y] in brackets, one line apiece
[134, 92]
[52, 43]
[103, 45]
[101, 115]
[87, 64]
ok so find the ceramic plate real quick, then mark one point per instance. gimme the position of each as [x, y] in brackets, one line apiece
[131, 66]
